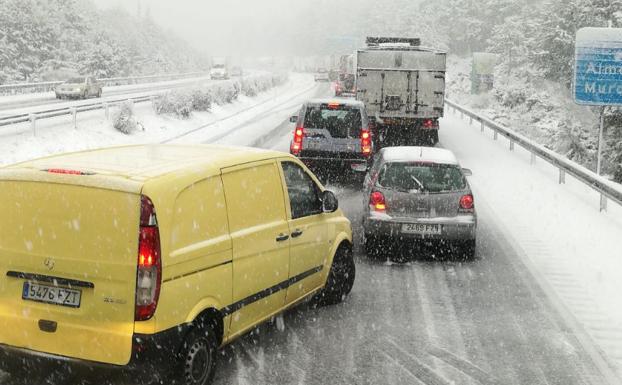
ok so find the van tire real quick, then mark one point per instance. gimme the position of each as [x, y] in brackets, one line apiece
[340, 278]
[197, 358]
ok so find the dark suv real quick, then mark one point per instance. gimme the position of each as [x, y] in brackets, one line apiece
[332, 135]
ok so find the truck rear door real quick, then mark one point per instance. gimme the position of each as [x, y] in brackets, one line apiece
[68, 256]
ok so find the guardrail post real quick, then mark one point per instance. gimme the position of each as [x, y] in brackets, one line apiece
[482, 126]
[74, 115]
[562, 176]
[511, 145]
[107, 110]
[33, 123]
[533, 158]
[470, 120]
[461, 114]
[603, 203]
[495, 135]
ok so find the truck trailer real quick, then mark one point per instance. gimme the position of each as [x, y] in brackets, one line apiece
[402, 85]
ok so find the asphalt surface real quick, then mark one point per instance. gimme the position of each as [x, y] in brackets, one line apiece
[431, 320]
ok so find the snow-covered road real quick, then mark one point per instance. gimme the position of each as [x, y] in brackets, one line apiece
[537, 306]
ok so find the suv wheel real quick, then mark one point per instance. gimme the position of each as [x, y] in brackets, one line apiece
[197, 358]
[340, 278]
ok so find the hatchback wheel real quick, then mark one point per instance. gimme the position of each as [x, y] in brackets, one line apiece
[466, 249]
[198, 357]
[340, 278]
[373, 248]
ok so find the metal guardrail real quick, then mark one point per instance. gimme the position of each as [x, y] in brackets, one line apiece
[44, 114]
[33, 116]
[606, 188]
[10, 89]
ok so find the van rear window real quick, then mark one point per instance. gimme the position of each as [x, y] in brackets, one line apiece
[340, 120]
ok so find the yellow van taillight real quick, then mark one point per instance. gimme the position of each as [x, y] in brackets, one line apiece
[149, 271]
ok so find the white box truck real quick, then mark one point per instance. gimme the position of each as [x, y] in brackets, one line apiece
[403, 88]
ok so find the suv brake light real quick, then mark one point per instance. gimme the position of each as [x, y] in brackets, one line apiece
[467, 203]
[149, 270]
[366, 141]
[377, 201]
[296, 146]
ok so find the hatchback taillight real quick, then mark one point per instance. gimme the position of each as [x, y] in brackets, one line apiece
[296, 146]
[366, 145]
[467, 204]
[149, 269]
[377, 201]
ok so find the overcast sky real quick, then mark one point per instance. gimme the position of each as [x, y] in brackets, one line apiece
[230, 27]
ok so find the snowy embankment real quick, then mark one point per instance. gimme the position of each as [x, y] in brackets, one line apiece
[56, 135]
[542, 110]
[572, 248]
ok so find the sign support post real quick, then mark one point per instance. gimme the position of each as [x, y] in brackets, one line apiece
[601, 129]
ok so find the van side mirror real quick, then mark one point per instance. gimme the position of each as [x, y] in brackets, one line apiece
[330, 204]
[293, 119]
[467, 172]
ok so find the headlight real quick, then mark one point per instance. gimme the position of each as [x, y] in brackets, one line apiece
[77, 89]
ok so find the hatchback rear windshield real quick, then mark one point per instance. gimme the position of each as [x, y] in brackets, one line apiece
[341, 121]
[428, 177]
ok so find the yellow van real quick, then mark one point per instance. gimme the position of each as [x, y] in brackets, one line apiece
[141, 256]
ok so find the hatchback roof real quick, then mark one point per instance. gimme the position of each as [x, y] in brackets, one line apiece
[345, 101]
[414, 154]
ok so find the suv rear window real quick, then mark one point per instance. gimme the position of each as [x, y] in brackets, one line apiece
[341, 121]
[429, 177]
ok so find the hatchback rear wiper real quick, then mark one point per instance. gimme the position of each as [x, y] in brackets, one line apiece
[421, 186]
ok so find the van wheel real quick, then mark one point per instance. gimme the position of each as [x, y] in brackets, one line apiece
[340, 278]
[198, 357]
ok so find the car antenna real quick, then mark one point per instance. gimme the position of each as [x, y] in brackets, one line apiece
[421, 152]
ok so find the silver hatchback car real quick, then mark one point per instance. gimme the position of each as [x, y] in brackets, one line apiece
[418, 194]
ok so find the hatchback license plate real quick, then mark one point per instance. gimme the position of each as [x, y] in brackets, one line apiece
[420, 228]
[51, 294]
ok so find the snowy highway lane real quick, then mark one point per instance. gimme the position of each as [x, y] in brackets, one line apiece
[499, 319]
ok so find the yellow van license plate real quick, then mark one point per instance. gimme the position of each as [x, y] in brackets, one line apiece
[51, 294]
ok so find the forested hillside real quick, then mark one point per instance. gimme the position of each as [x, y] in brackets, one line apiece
[53, 39]
[534, 41]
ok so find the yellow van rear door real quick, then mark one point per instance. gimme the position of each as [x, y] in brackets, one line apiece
[68, 258]
[260, 238]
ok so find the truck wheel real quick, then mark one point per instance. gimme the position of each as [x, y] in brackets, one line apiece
[340, 278]
[197, 358]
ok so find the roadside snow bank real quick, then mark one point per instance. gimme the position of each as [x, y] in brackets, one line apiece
[57, 135]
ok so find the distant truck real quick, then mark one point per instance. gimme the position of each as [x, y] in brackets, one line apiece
[345, 84]
[220, 68]
[403, 88]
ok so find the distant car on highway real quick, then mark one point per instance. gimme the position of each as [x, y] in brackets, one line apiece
[332, 134]
[79, 88]
[321, 75]
[236, 71]
[418, 194]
